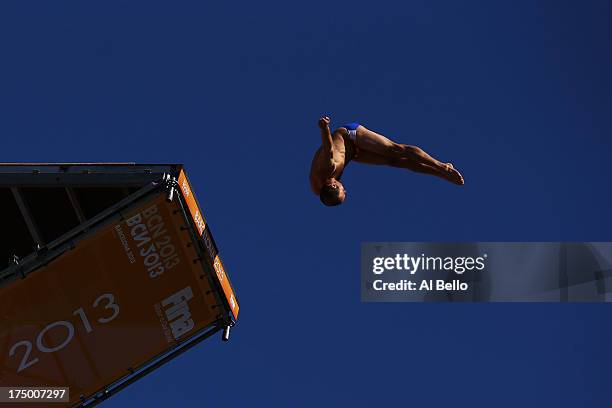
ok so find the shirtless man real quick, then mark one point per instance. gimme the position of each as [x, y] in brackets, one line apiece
[353, 141]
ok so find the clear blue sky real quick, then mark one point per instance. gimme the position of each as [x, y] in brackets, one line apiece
[517, 94]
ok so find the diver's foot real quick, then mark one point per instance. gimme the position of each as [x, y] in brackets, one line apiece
[453, 175]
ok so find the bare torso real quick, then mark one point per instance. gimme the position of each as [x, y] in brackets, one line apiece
[324, 167]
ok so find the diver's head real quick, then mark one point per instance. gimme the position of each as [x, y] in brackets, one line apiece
[332, 193]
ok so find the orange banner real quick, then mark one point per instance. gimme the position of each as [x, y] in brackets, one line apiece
[124, 295]
[204, 232]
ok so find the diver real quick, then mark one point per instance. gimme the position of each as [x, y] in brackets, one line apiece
[353, 141]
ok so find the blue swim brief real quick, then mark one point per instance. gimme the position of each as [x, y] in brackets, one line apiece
[351, 126]
[352, 130]
[352, 133]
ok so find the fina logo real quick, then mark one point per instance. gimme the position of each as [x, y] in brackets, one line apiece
[178, 314]
[219, 268]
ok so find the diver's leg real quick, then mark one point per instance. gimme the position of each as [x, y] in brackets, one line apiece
[367, 157]
[368, 140]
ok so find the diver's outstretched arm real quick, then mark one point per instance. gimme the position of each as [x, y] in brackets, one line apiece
[326, 137]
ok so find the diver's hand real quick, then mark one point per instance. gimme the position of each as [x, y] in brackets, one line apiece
[324, 122]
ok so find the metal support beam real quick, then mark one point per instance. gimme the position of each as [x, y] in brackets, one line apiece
[67, 241]
[75, 205]
[27, 216]
[226, 333]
